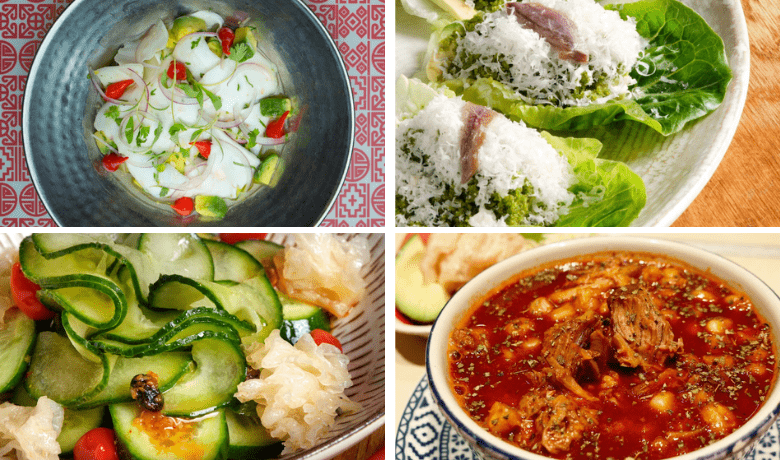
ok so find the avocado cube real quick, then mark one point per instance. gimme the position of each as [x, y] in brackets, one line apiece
[275, 106]
[245, 35]
[210, 206]
[265, 173]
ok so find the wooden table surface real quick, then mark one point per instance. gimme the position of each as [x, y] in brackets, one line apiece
[365, 448]
[745, 189]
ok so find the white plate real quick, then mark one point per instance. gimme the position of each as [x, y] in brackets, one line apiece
[675, 169]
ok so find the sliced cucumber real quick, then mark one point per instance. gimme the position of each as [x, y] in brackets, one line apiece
[169, 367]
[205, 438]
[60, 372]
[76, 425]
[249, 440]
[179, 253]
[263, 251]
[97, 302]
[221, 366]
[254, 301]
[16, 344]
[232, 263]
[300, 318]
[416, 299]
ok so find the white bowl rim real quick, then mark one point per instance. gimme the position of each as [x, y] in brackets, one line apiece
[766, 300]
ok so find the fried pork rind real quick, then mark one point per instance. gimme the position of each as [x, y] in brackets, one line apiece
[452, 259]
[300, 390]
[30, 433]
[324, 269]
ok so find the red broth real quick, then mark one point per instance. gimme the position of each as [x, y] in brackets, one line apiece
[705, 382]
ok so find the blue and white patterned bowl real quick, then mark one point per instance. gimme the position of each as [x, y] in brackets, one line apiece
[489, 447]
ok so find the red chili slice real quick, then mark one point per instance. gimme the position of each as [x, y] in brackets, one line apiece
[184, 206]
[180, 71]
[204, 147]
[275, 129]
[226, 36]
[117, 89]
[112, 161]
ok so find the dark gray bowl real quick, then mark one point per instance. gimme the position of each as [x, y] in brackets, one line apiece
[64, 162]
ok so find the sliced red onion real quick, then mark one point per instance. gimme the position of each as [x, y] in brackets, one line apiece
[121, 139]
[270, 140]
[141, 84]
[169, 94]
[192, 35]
[105, 142]
[96, 84]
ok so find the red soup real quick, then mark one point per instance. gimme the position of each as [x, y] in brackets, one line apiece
[612, 355]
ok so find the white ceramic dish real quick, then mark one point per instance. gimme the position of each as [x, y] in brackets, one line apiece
[735, 445]
[676, 168]
[362, 336]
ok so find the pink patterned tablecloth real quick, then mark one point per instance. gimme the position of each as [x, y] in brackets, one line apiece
[357, 27]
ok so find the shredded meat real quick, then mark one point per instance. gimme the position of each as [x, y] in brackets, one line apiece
[551, 420]
[554, 27]
[472, 135]
[568, 350]
[642, 336]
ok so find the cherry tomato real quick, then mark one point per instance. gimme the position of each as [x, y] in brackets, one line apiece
[321, 337]
[226, 36]
[275, 129]
[204, 147]
[117, 89]
[96, 444]
[179, 68]
[233, 238]
[112, 161]
[23, 291]
[184, 206]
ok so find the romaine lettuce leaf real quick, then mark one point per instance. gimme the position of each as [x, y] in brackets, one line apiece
[608, 193]
[683, 75]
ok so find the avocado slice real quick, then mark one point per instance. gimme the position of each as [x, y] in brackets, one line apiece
[416, 299]
[184, 25]
[210, 206]
[265, 173]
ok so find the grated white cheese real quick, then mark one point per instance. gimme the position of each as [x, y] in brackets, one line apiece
[510, 154]
[536, 72]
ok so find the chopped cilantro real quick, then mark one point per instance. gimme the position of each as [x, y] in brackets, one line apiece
[129, 129]
[113, 113]
[194, 44]
[163, 191]
[252, 141]
[247, 80]
[143, 135]
[176, 128]
[240, 52]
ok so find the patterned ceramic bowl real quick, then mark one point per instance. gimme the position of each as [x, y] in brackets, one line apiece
[362, 335]
[64, 161]
[734, 446]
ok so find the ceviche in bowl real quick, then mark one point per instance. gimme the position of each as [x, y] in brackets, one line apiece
[609, 347]
[178, 346]
[186, 113]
